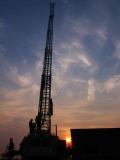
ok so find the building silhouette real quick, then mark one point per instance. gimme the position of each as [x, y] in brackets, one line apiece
[96, 144]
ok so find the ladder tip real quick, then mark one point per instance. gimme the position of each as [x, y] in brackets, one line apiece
[52, 2]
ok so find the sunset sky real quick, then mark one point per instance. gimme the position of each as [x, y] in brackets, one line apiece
[86, 64]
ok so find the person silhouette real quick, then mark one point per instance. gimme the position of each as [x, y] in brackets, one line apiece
[11, 149]
[32, 126]
[37, 120]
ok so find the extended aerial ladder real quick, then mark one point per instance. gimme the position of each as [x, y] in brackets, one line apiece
[45, 109]
[40, 142]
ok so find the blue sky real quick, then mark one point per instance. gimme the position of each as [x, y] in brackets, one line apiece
[86, 64]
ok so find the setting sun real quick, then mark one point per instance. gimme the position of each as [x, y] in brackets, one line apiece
[68, 140]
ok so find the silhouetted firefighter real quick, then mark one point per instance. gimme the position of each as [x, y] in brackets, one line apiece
[32, 126]
[11, 148]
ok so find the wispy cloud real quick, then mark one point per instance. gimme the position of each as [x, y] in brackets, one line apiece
[91, 90]
[84, 27]
[70, 63]
[112, 83]
[22, 80]
[117, 51]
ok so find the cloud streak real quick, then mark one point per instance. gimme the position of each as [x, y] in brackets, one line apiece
[91, 90]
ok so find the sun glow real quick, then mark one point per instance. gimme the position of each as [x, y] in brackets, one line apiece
[68, 140]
